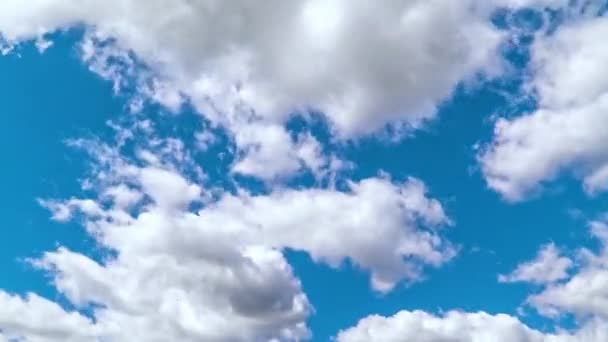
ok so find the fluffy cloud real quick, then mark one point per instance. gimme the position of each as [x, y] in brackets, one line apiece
[285, 56]
[178, 253]
[43, 320]
[363, 65]
[376, 224]
[165, 270]
[548, 267]
[460, 327]
[170, 266]
[566, 132]
[585, 294]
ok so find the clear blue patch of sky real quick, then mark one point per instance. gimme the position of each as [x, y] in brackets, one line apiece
[45, 100]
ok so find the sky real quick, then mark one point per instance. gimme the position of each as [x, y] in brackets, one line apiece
[421, 170]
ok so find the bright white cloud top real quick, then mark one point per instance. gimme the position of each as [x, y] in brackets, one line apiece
[460, 327]
[247, 68]
[567, 132]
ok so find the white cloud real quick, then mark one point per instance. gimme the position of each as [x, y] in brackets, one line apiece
[567, 131]
[167, 189]
[40, 320]
[122, 196]
[363, 64]
[376, 224]
[548, 267]
[271, 152]
[533, 3]
[153, 293]
[168, 276]
[176, 277]
[174, 273]
[246, 68]
[458, 326]
[585, 294]
[63, 211]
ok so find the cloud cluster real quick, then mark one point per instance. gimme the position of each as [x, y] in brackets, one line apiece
[567, 130]
[583, 294]
[248, 67]
[44, 321]
[458, 326]
[178, 253]
[184, 263]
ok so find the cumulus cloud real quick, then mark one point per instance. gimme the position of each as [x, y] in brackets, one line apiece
[584, 294]
[297, 54]
[566, 132]
[183, 264]
[363, 65]
[548, 267]
[458, 326]
[43, 320]
[376, 224]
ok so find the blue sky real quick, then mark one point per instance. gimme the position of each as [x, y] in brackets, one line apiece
[60, 95]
